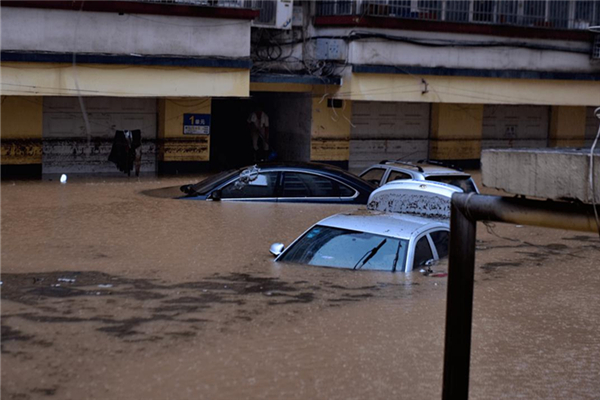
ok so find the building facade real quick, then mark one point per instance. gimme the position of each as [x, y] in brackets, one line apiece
[344, 82]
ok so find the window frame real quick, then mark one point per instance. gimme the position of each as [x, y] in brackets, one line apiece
[282, 183]
[386, 172]
[237, 177]
[391, 171]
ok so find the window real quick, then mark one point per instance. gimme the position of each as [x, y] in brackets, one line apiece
[483, 11]
[263, 186]
[340, 248]
[374, 175]
[395, 176]
[457, 11]
[441, 242]
[464, 182]
[297, 184]
[423, 252]
[346, 191]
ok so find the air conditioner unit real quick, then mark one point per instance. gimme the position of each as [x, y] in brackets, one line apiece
[273, 14]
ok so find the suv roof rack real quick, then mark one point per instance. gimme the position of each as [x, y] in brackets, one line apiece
[399, 161]
[440, 163]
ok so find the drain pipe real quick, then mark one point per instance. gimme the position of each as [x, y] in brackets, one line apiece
[466, 210]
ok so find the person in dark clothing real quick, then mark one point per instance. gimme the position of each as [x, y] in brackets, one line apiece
[127, 151]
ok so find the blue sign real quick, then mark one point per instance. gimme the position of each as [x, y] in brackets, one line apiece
[196, 124]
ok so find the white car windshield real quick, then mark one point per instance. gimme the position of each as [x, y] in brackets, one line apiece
[341, 248]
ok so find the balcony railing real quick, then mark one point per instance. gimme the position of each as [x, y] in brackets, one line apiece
[267, 8]
[555, 14]
[208, 3]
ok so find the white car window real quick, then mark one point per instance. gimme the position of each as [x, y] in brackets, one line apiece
[441, 242]
[397, 175]
[422, 253]
[333, 247]
[374, 175]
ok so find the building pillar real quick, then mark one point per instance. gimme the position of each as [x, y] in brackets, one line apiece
[181, 148]
[567, 126]
[456, 132]
[330, 131]
[21, 147]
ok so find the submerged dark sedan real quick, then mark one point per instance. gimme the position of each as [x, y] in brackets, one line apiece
[283, 182]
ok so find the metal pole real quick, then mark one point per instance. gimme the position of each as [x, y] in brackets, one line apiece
[466, 210]
[459, 305]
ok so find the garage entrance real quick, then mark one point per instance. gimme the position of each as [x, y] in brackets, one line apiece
[388, 131]
[66, 146]
[289, 128]
[515, 126]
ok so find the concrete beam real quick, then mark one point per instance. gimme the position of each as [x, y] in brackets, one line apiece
[556, 174]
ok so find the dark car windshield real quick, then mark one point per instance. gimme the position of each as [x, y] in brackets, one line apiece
[340, 248]
[212, 182]
[463, 182]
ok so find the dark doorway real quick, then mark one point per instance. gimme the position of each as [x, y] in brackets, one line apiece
[230, 142]
[289, 117]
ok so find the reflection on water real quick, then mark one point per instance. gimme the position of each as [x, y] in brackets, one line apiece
[111, 293]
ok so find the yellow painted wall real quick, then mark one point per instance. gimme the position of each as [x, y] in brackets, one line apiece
[21, 130]
[469, 90]
[34, 79]
[456, 131]
[330, 131]
[173, 144]
[567, 126]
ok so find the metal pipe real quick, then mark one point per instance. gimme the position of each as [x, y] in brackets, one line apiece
[466, 210]
[459, 305]
[548, 214]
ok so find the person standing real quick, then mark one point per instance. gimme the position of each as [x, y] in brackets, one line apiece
[258, 123]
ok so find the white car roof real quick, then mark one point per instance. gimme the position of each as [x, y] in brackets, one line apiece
[395, 225]
[428, 169]
[424, 198]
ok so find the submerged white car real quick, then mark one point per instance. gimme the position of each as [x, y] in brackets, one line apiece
[389, 171]
[405, 227]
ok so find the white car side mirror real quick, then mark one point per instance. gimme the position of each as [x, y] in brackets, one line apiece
[276, 249]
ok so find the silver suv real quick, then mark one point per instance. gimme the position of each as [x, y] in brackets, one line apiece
[388, 171]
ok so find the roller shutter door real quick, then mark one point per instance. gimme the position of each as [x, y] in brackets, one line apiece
[389, 131]
[65, 139]
[515, 126]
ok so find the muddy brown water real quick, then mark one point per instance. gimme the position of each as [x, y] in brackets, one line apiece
[109, 293]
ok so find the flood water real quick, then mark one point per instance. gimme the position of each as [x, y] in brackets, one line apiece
[109, 293]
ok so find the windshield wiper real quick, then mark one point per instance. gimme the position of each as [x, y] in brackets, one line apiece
[397, 256]
[368, 255]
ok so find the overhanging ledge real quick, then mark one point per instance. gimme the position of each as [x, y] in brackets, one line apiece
[125, 59]
[475, 73]
[299, 79]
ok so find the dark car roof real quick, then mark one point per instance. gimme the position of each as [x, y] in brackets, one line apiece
[325, 169]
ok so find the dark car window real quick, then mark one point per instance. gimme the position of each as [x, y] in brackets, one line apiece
[395, 175]
[463, 182]
[374, 175]
[214, 181]
[263, 186]
[440, 240]
[422, 252]
[346, 191]
[297, 184]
